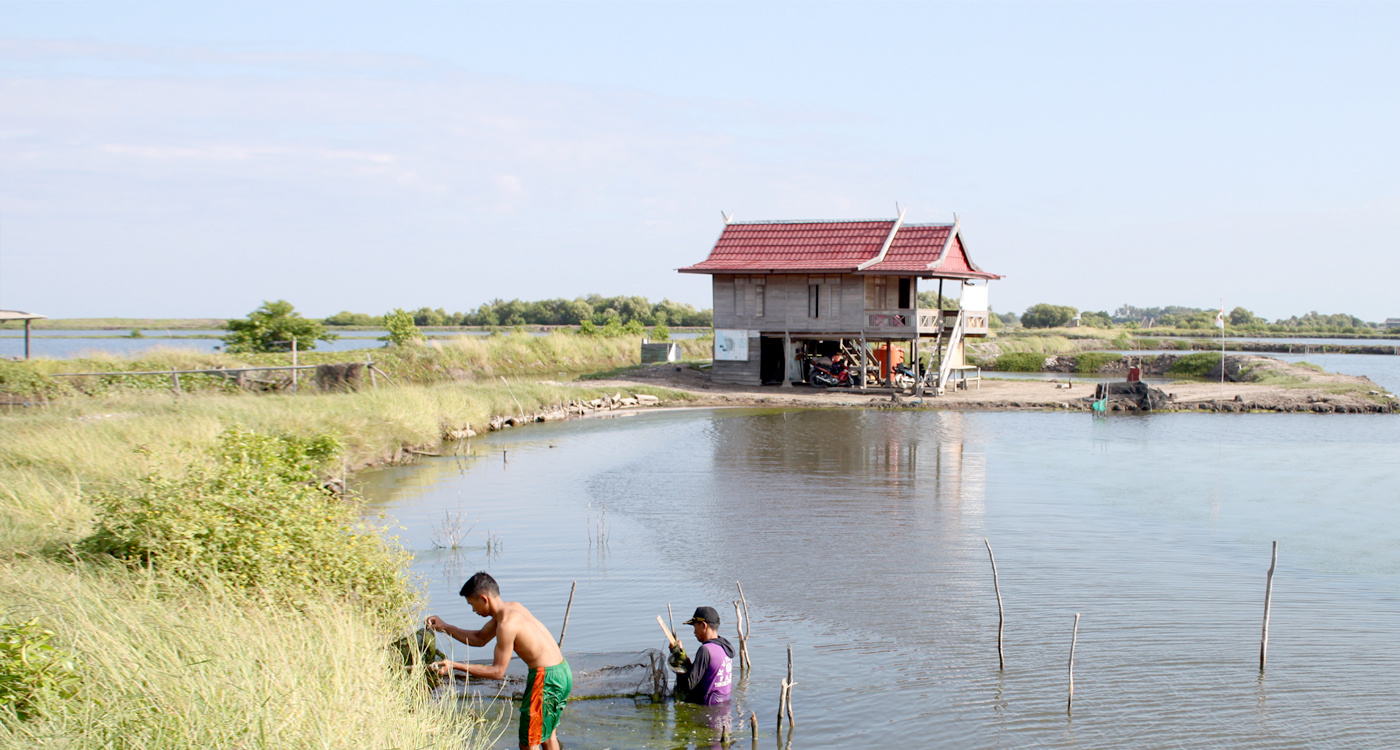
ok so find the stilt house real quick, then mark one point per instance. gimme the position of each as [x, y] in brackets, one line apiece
[785, 291]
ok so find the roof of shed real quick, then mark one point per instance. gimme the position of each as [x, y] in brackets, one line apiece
[839, 247]
[17, 315]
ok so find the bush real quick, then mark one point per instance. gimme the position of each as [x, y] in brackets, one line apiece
[1088, 362]
[347, 318]
[1021, 362]
[35, 676]
[272, 328]
[1197, 365]
[661, 332]
[1047, 316]
[254, 516]
[401, 328]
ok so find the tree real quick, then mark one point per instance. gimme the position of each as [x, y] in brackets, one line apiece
[401, 328]
[272, 328]
[1047, 316]
[1242, 317]
[347, 318]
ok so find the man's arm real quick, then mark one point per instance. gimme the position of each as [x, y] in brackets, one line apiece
[698, 667]
[476, 638]
[505, 647]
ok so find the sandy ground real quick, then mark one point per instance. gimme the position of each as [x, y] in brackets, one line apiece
[1322, 392]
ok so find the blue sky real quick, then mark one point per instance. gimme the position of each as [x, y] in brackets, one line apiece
[195, 159]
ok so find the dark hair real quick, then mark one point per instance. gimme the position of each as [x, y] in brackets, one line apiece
[481, 583]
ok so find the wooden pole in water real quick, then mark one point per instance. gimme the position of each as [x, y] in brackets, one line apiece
[670, 617]
[753, 726]
[1001, 613]
[1268, 599]
[789, 682]
[1069, 705]
[748, 628]
[569, 607]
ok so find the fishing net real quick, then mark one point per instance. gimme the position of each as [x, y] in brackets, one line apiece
[603, 675]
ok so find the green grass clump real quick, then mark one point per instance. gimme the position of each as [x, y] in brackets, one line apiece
[1089, 362]
[252, 509]
[36, 677]
[1196, 365]
[1021, 362]
[169, 664]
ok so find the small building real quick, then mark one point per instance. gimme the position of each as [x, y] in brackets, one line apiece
[785, 291]
[1392, 323]
[8, 315]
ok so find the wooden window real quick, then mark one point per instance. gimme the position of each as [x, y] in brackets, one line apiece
[758, 292]
[875, 293]
[814, 300]
[833, 296]
[905, 288]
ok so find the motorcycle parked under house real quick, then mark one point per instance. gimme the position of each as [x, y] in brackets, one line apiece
[829, 372]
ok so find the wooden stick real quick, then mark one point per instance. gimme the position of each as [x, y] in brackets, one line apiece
[748, 628]
[739, 628]
[1001, 613]
[671, 618]
[753, 725]
[567, 608]
[782, 704]
[789, 683]
[671, 639]
[1268, 599]
[1069, 705]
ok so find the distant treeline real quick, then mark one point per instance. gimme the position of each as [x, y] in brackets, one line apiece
[1175, 316]
[594, 308]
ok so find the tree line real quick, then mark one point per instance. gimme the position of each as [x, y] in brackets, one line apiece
[1176, 316]
[594, 308]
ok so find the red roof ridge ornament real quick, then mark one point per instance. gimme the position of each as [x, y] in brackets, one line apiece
[898, 222]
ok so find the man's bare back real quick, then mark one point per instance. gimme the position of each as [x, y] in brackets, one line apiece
[518, 632]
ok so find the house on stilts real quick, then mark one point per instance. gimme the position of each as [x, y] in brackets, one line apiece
[786, 292]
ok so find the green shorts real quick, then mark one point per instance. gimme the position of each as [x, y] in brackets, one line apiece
[546, 692]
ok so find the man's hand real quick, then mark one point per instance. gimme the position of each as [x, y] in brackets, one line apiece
[443, 668]
[435, 623]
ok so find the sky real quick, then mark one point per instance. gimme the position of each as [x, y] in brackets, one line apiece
[195, 159]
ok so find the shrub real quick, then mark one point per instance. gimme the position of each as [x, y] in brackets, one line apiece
[1047, 316]
[1196, 365]
[35, 675]
[1021, 362]
[401, 328]
[255, 517]
[272, 328]
[1094, 361]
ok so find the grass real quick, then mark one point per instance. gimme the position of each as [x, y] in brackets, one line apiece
[165, 664]
[192, 665]
[1196, 365]
[464, 358]
[1089, 362]
[1020, 362]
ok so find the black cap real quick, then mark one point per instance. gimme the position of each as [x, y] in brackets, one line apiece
[704, 614]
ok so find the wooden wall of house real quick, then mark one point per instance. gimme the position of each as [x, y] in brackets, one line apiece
[784, 305]
[740, 373]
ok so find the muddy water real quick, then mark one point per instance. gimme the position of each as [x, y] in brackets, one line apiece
[859, 539]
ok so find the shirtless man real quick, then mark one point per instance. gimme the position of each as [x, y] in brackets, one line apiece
[515, 630]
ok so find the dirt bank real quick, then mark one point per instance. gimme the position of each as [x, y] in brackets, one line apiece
[1305, 390]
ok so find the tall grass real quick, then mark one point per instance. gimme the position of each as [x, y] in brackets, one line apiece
[464, 358]
[51, 457]
[167, 665]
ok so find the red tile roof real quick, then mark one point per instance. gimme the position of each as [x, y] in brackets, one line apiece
[838, 247]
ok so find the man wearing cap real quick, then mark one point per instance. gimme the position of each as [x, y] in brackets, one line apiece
[705, 680]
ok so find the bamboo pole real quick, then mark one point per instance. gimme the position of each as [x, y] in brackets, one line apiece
[671, 618]
[1069, 704]
[745, 661]
[563, 629]
[1268, 600]
[1001, 613]
[788, 683]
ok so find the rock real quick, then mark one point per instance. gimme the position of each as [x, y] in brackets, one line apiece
[628, 402]
[647, 400]
[497, 423]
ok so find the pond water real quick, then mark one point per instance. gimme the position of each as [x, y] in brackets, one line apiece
[858, 536]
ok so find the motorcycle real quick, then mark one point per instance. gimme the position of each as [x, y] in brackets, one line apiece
[829, 372]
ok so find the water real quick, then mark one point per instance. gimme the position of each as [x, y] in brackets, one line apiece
[78, 343]
[858, 536]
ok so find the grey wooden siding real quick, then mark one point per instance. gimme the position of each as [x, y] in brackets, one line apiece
[843, 302]
[739, 373]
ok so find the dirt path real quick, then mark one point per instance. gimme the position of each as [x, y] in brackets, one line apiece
[1314, 392]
